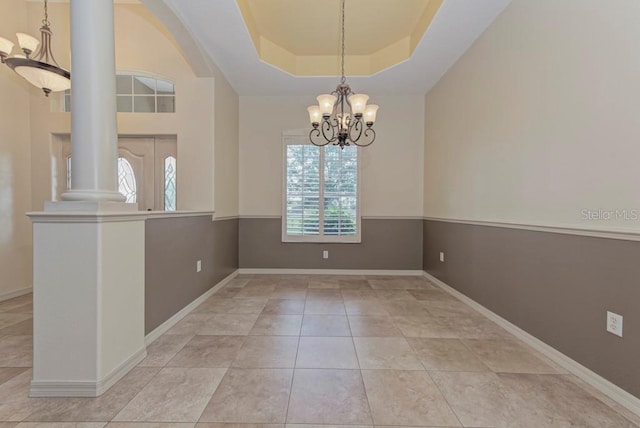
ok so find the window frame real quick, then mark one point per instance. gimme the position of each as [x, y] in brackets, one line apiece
[301, 137]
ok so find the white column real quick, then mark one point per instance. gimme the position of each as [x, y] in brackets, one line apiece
[88, 250]
[94, 134]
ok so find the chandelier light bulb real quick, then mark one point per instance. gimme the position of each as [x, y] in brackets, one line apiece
[326, 103]
[370, 114]
[27, 43]
[6, 46]
[315, 116]
[358, 103]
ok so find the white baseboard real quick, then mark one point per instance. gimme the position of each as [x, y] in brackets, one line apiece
[619, 395]
[278, 271]
[15, 293]
[165, 326]
[86, 388]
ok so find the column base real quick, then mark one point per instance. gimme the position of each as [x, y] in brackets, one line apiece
[93, 195]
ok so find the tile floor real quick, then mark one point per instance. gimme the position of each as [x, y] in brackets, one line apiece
[307, 351]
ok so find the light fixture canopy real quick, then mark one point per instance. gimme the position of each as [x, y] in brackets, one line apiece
[342, 117]
[42, 70]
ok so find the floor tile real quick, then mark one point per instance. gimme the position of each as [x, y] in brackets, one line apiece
[289, 293]
[477, 399]
[389, 295]
[250, 290]
[174, 395]
[328, 397]
[446, 354]
[23, 328]
[16, 351]
[507, 356]
[228, 324]
[406, 398]
[373, 326]
[321, 294]
[9, 319]
[151, 425]
[15, 404]
[163, 349]
[382, 353]
[61, 424]
[189, 325]
[357, 294]
[405, 307]
[475, 327]
[326, 353]
[208, 351]
[424, 326]
[354, 284]
[277, 325]
[324, 307]
[549, 400]
[232, 306]
[324, 284]
[250, 396]
[364, 307]
[284, 307]
[269, 352]
[449, 308]
[432, 295]
[325, 325]
[232, 425]
[7, 373]
[103, 408]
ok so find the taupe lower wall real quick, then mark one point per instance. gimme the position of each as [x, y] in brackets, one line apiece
[172, 247]
[386, 244]
[556, 287]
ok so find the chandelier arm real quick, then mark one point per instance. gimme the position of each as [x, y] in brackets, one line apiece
[368, 133]
[315, 134]
[357, 127]
[326, 127]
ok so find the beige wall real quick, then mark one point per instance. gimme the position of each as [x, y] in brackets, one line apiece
[391, 168]
[142, 44]
[539, 119]
[29, 122]
[15, 153]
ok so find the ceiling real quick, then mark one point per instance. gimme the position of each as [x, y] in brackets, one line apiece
[302, 37]
[422, 40]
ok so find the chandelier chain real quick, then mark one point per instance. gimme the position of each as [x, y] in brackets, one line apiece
[45, 21]
[344, 79]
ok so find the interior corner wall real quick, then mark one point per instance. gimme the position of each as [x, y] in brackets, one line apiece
[15, 158]
[227, 143]
[391, 186]
[537, 124]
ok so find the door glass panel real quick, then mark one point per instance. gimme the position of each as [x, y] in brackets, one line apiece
[126, 180]
[170, 183]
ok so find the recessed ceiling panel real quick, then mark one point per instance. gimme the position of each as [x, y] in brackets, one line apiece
[302, 37]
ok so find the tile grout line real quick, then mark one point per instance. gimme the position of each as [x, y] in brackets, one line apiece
[295, 361]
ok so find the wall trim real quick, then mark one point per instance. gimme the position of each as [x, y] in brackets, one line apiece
[620, 234]
[15, 293]
[277, 271]
[172, 214]
[619, 395]
[229, 217]
[165, 326]
[364, 217]
[86, 388]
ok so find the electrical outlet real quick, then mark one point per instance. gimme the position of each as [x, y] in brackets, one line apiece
[325, 254]
[614, 323]
[441, 256]
[198, 265]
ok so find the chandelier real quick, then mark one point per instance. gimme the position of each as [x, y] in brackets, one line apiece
[41, 70]
[342, 117]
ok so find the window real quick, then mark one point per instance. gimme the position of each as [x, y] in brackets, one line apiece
[139, 94]
[170, 183]
[127, 181]
[321, 197]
